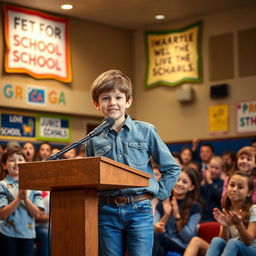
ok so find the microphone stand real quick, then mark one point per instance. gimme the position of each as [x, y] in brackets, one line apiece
[108, 122]
[64, 150]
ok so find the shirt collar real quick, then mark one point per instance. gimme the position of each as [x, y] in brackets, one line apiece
[127, 124]
[11, 179]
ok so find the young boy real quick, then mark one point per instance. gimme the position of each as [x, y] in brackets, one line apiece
[18, 209]
[125, 215]
[211, 188]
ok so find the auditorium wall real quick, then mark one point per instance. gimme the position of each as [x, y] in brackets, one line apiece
[177, 121]
[96, 48]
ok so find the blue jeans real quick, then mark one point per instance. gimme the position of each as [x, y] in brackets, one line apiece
[232, 247]
[126, 227]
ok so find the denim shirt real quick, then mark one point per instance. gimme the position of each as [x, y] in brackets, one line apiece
[133, 145]
[20, 224]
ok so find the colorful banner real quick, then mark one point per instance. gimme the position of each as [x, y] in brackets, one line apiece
[53, 128]
[246, 116]
[218, 119]
[16, 125]
[37, 44]
[47, 99]
[173, 56]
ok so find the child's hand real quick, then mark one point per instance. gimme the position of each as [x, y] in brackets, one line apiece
[221, 217]
[159, 227]
[175, 208]
[21, 194]
[167, 206]
[235, 218]
[207, 176]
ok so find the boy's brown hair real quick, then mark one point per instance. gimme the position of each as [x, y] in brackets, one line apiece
[9, 151]
[111, 80]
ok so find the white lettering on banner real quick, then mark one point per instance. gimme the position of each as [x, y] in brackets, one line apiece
[55, 132]
[4, 131]
[52, 128]
[15, 119]
[53, 122]
[37, 44]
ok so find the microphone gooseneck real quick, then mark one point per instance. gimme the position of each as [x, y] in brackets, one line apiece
[107, 123]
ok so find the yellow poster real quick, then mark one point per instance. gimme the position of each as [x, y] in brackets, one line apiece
[218, 119]
[173, 56]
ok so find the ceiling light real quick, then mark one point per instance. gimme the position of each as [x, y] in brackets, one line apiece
[159, 17]
[67, 6]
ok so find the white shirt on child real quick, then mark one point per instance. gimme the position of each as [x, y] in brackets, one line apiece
[234, 232]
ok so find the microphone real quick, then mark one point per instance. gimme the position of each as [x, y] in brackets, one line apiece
[107, 123]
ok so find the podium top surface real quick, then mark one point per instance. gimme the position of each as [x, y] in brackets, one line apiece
[99, 173]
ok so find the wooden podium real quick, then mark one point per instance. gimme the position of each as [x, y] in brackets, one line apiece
[74, 202]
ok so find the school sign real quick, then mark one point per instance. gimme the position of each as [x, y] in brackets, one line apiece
[36, 44]
[173, 56]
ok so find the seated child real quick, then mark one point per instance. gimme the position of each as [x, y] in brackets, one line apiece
[18, 209]
[211, 188]
[178, 216]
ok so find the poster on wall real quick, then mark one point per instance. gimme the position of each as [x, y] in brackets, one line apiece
[173, 56]
[17, 125]
[53, 128]
[36, 44]
[218, 119]
[246, 116]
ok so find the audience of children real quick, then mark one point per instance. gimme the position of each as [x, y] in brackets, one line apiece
[186, 156]
[42, 228]
[206, 152]
[177, 218]
[211, 188]
[18, 208]
[2, 148]
[44, 151]
[237, 219]
[29, 151]
[72, 153]
[228, 158]
[245, 162]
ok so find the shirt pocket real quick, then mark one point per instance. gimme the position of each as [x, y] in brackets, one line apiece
[102, 150]
[138, 153]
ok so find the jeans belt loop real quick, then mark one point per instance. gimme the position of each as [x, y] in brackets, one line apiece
[122, 200]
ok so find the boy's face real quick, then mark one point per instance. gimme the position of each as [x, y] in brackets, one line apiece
[113, 104]
[11, 164]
